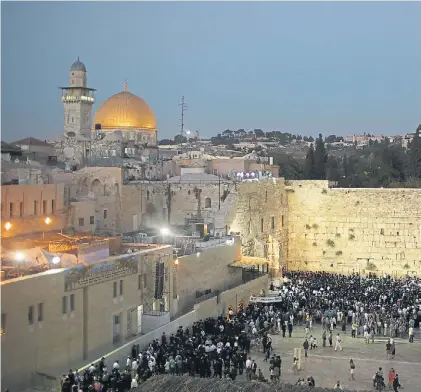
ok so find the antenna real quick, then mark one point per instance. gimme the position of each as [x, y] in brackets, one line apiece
[183, 110]
[125, 86]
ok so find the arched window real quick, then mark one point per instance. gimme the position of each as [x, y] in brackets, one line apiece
[208, 202]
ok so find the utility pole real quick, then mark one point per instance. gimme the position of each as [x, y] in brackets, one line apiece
[183, 110]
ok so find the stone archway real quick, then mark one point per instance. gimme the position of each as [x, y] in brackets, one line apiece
[97, 188]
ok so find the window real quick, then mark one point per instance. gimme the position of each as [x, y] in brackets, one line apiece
[145, 281]
[116, 319]
[72, 302]
[139, 282]
[91, 220]
[30, 315]
[121, 287]
[44, 207]
[105, 214]
[11, 210]
[115, 289]
[40, 312]
[81, 222]
[35, 207]
[53, 207]
[282, 221]
[147, 195]
[64, 305]
[381, 231]
[273, 223]
[208, 202]
[261, 225]
[21, 209]
[3, 324]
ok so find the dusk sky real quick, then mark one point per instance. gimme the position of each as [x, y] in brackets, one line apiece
[305, 68]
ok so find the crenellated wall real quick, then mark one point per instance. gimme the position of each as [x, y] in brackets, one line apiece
[345, 230]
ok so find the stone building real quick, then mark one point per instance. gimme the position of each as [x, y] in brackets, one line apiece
[64, 317]
[27, 209]
[124, 124]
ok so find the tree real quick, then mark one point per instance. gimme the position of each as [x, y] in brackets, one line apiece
[165, 142]
[331, 139]
[415, 155]
[227, 133]
[259, 133]
[178, 139]
[309, 164]
[320, 159]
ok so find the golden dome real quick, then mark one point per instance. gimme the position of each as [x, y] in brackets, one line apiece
[125, 111]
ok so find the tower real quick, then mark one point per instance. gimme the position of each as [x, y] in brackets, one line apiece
[77, 99]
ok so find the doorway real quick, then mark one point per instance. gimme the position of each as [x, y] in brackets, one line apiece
[116, 328]
[139, 318]
[135, 222]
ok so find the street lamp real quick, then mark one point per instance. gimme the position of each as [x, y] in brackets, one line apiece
[56, 260]
[47, 222]
[19, 257]
[8, 226]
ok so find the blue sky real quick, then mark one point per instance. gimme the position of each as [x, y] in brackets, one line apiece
[305, 68]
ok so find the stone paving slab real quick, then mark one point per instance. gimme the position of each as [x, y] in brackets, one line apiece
[328, 366]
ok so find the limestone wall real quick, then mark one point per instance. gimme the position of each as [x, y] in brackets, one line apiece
[260, 214]
[345, 230]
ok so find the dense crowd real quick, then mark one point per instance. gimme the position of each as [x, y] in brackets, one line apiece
[220, 347]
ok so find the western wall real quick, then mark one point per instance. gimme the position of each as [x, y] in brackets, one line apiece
[356, 229]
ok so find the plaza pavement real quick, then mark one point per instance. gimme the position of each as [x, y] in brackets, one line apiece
[328, 366]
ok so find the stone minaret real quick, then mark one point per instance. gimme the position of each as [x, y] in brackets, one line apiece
[78, 99]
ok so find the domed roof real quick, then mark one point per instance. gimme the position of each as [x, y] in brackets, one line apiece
[78, 66]
[125, 111]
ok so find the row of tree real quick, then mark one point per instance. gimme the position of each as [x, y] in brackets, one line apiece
[380, 164]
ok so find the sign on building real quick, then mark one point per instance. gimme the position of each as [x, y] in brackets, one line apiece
[82, 276]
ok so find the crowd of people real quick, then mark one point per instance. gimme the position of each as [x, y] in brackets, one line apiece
[221, 347]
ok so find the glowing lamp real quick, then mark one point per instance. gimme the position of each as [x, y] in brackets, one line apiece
[8, 226]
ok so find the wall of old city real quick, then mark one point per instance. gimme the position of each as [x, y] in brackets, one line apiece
[260, 214]
[345, 230]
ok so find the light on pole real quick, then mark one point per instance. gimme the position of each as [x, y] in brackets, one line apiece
[8, 226]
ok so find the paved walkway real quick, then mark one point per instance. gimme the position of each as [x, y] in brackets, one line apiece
[328, 366]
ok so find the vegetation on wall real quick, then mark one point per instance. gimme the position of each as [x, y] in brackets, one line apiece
[330, 243]
[351, 237]
[406, 266]
[339, 253]
[315, 226]
[371, 266]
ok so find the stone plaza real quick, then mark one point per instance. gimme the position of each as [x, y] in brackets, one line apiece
[328, 366]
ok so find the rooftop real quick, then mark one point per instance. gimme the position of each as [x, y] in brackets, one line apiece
[31, 141]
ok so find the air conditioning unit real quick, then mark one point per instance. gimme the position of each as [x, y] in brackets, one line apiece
[195, 234]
